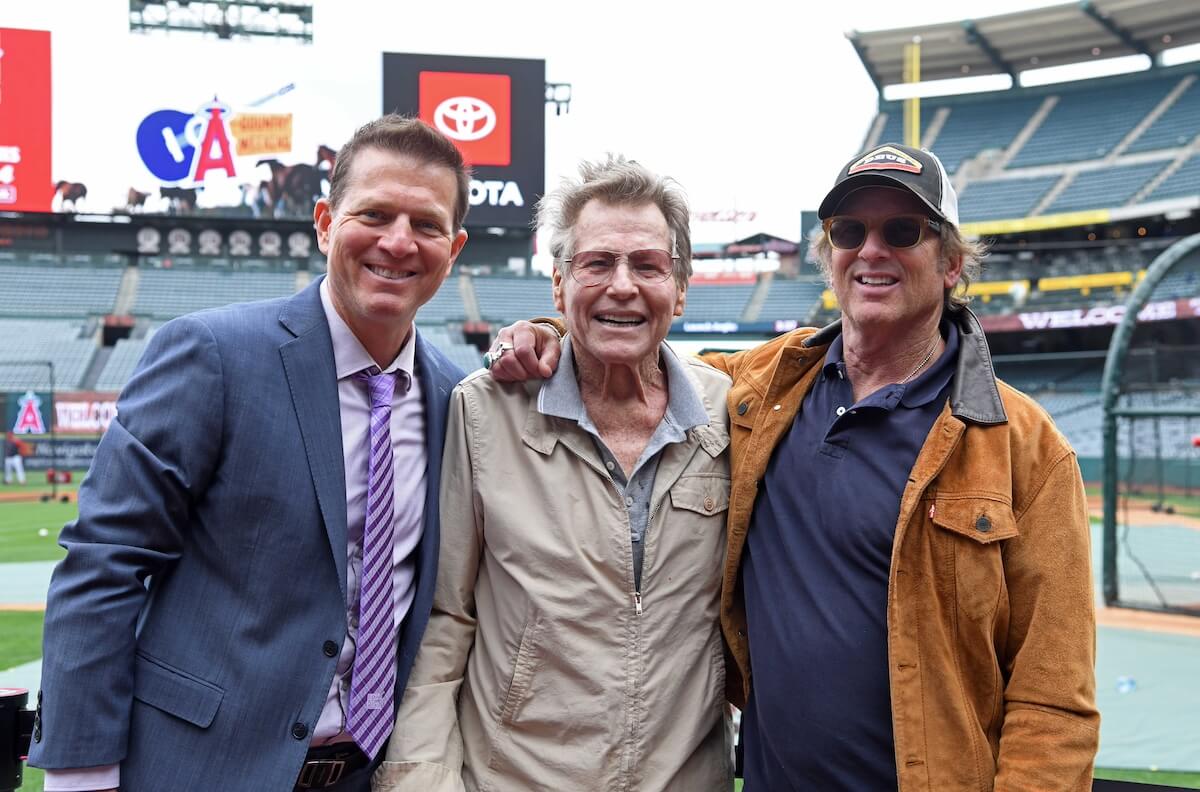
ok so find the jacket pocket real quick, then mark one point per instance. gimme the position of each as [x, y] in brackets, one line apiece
[976, 528]
[524, 666]
[982, 520]
[175, 691]
[702, 493]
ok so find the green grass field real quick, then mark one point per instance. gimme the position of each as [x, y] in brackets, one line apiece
[20, 637]
[21, 521]
[20, 524]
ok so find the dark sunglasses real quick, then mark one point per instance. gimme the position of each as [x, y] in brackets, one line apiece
[596, 267]
[899, 231]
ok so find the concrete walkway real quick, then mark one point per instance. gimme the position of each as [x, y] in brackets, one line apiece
[24, 583]
[28, 676]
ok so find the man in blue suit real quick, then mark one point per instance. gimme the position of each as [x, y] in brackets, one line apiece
[254, 560]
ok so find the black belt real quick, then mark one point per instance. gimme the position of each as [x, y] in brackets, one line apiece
[325, 765]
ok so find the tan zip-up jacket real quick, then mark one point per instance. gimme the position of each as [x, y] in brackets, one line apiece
[990, 612]
[538, 670]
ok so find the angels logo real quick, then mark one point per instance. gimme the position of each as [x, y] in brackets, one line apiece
[29, 415]
[885, 158]
[182, 148]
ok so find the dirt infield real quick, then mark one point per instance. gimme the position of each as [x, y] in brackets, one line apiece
[1125, 619]
[1138, 512]
[30, 496]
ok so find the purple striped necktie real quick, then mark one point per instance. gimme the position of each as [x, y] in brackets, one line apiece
[370, 714]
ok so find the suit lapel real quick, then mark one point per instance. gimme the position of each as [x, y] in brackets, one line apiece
[312, 380]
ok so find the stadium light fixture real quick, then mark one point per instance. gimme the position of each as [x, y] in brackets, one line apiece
[1176, 55]
[959, 85]
[1079, 71]
[224, 18]
[559, 95]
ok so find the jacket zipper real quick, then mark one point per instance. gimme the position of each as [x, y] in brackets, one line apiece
[637, 595]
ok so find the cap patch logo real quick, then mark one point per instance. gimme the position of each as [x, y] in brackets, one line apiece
[885, 158]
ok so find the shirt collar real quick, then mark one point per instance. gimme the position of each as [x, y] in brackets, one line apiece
[921, 390]
[349, 355]
[560, 396]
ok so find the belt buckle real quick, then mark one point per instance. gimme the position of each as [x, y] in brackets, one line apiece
[320, 773]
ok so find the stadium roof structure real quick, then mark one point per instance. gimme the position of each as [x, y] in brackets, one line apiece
[1011, 43]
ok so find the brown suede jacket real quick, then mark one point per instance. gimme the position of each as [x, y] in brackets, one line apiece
[990, 613]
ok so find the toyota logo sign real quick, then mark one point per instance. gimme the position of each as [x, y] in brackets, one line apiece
[465, 118]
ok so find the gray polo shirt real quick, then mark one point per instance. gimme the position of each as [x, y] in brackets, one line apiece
[560, 397]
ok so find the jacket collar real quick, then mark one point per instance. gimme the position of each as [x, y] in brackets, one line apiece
[974, 395]
[542, 431]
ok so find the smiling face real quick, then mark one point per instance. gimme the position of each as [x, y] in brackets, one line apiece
[390, 242]
[623, 321]
[896, 291]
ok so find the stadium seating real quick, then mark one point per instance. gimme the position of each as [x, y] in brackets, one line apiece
[1003, 198]
[123, 359]
[1104, 188]
[714, 303]
[445, 306]
[55, 290]
[972, 126]
[1087, 124]
[977, 126]
[164, 294]
[61, 342]
[1176, 127]
[1185, 181]
[790, 299]
[508, 299]
[465, 356]
[1176, 285]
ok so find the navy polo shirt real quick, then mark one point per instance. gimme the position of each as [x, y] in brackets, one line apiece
[815, 576]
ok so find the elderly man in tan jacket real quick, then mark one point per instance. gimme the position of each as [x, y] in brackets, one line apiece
[575, 641]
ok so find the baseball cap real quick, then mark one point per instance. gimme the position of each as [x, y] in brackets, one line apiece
[895, 165]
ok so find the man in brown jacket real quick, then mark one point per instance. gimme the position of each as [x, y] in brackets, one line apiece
[907, 590]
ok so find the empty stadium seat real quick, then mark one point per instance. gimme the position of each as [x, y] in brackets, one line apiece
[1181, 183]
[55, 290]
[166, 293]
[508, 299]
[790, 299]
[1105, 188]
[1003, 198]
[716, 302]
[1178, 126]
[973, 127]
[37, 341]
[1087, 123]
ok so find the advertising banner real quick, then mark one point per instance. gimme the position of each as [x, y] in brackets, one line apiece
[25, 105]
[494, 111]
[169, 125]
[1099, 315]
[29, 412]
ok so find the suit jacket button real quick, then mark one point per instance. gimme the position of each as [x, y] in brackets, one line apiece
[983, 524]
[330, 649]
[299, 731]
[742, 408]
